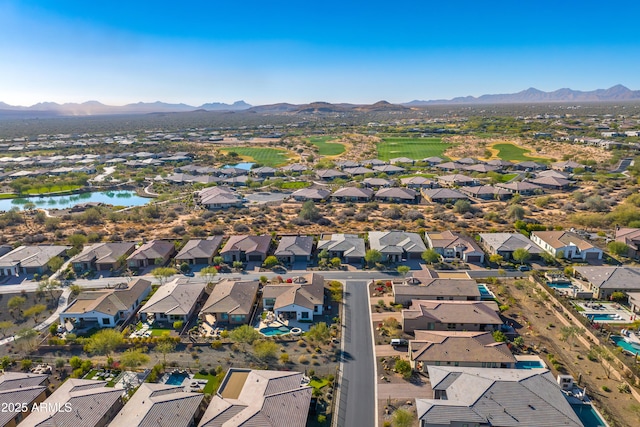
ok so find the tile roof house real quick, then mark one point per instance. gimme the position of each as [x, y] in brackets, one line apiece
[295, 168]
[348, 247]
[78, 403]
[300, 300]
[552, 182]
[521, 187]
[566, 166]
[397, 195]
[402, 160]
[397, 245]
[197, 251]
[352, 194]
[30, 259]
[631, 238]
[154, 405]
[22, 388]
[232, 302]
[566, 245]
[421, 286]
[259, 398]
[418, 182]
[452, 245]
[103, 256]
[173, 301]
[504, 244]
[293, 249]
[315, 194]
[106, 307]
[604, 281]
[388, 169]
[529, 166]
[329, 174]
[155, 252]
[486, 192]
[359, 170]
[456, 180]
[246, 248]
[451, 316]
[376, 182]
[494, 397]
[218, 198]
[443, 195]
[456, 348]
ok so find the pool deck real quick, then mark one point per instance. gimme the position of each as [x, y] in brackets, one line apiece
[189, 383]
[600, 308]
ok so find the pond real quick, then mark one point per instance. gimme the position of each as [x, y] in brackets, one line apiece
[242, 165]
[116, 198]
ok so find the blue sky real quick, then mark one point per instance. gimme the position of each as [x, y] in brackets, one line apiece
[264, 52]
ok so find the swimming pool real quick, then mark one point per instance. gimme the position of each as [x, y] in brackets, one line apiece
[594, 317]
[620, 342]
[177, 378]
[587, 415]
[271, 331]
[529, 364]
[560, 285]
[484, 292]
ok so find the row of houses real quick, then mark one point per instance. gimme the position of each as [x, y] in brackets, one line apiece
[245, 397]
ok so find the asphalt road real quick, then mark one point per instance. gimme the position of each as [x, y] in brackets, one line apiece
[356, 405]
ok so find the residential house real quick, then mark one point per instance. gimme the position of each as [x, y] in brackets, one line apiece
[486, 192]
[240, 180]
[103, 256]
[452, 245]
[397, 245]
[342, 164]
[173, 301]
[418, 182]
[78, 403]
[231, 302]
[468, 161]
[458, 348]
[160, 405]
[348, 247]
[422, 286]
[523, 188]
[397, 195]
[30, 259]
[565, 244]
[315, 194]
[552, 183]
[502, 164]
[197, 251]
[432, 161]
[482, 168]
[352, 194]
[360, 170]
[443, 195]
[23, 389]
[504, 244]
[429, 315]
[631, 238]
[553, 174]
[376, 182]
[329, 174]
[402, 160]
[246, 248]
[449, 166]
[494, 397]
[259, 398]
[373, 162]
[293, 249]
[263, 172]
[529, 166]
[106, 307]
[456, 180]
[388, 169]
[604, 281]
[218, 198]
[155, 252]
[295, 168]
[300, 300]
[566, 166]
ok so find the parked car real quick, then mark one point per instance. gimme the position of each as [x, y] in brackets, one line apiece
[399, 342]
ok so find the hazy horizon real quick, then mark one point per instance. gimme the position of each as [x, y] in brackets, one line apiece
[359, 52]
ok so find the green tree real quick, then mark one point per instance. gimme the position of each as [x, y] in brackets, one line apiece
[163, 273]
[15, 304]
[521, 255]
[4, 326]
[35, 311]
[430, 256]
[27, 340]
[402, 418]
[75, 289]
[496, 259]
[403, 269]
[309, 211]
[103, 342]
[165, 345]
[133, 358]
[462, 206]
[618, 248]
[209, 273]
[336, 262]
[319, 333]
[55, 263]
[404, 368]
[244, 334]
[567, 333]
[335, 287]
[270, 262]
[77, 240]
[372, 257]
[499, 336]
[515, 212]
[238, 265]
[619, 296]
[265, 350]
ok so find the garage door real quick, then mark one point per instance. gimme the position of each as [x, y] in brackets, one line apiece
[473, 258]
[592, 255]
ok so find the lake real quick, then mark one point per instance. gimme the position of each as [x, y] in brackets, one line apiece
[116, 198]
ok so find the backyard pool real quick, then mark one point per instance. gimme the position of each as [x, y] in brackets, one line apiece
[485, 294]
[241, 165]
[271, 331]
[620, 342]
[587, 415]
[529, 364]
[560, 285]
[177, 378]
[597, 317]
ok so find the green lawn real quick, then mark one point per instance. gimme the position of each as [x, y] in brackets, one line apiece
[212, 385]
[413, 148]
[513, 153]
[52, 189]
[325, 147]
[295, 185]
[265, 156]
[505, 177]
[158, 332]
[318, 383]
[8, 196]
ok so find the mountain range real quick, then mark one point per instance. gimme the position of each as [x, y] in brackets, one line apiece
[531, 95]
